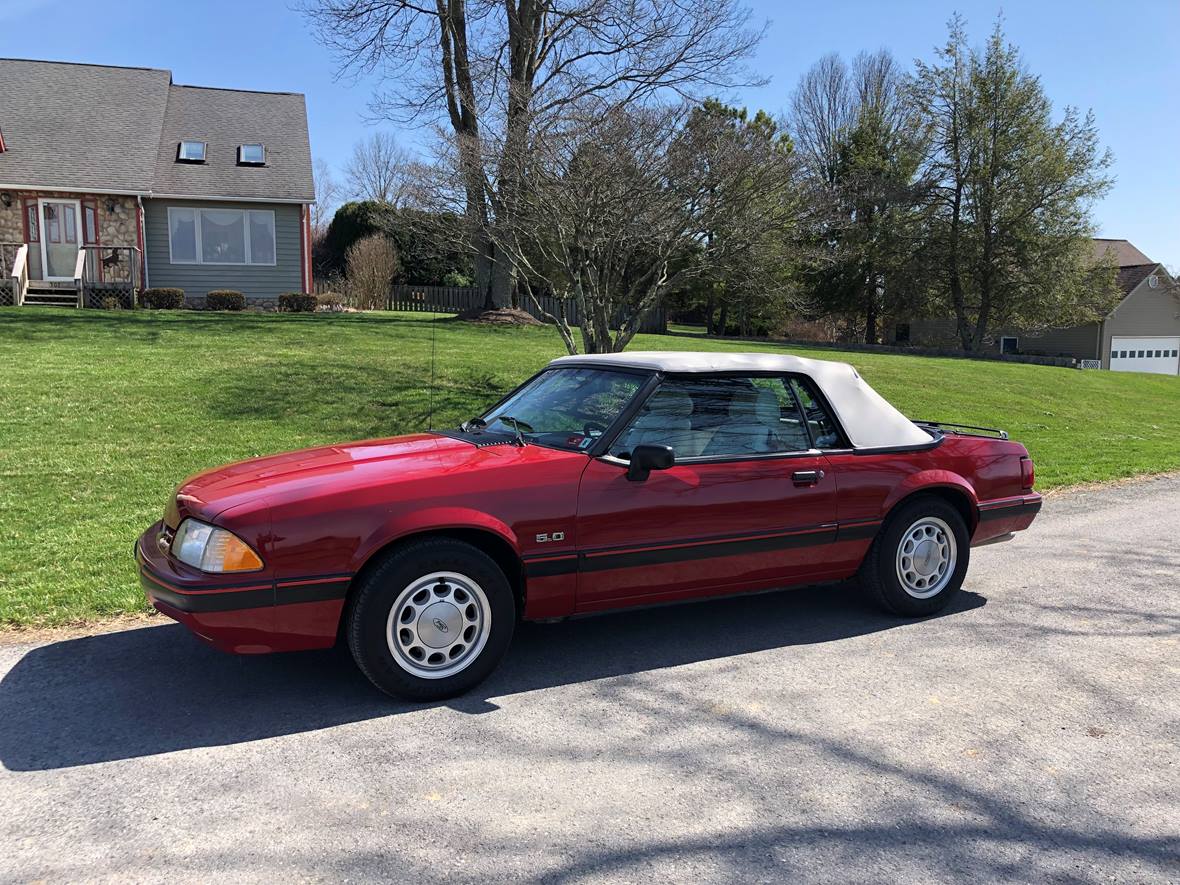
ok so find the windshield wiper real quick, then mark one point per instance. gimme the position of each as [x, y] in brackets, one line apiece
[472, 425]
[516, 425]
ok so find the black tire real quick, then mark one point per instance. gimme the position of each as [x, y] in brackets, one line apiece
[879, 572]
[372, 601]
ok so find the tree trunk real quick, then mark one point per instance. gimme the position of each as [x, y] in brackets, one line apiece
[482, 265]
[958, 301]
[503, 282]
[710, 306]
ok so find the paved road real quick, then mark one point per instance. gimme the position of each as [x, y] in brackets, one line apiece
[1028, 735]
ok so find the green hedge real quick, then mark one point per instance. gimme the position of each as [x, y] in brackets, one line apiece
[297, 302]
[162, 299]
[225, 299]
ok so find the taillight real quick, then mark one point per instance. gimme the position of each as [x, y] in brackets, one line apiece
[1027, 473]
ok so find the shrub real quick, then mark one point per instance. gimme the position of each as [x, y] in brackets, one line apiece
[225, 299]
[297, 302]
[372, 264]
[111, 302]
[454, 278]
[425, 250]
[329, 302]
[162, 299]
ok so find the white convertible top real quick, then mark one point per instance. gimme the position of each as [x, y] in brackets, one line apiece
[867, 419]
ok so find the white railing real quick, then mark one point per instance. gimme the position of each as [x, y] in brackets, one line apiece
[20, 275]
[79, 270]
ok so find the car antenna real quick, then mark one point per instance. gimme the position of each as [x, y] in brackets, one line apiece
[433, 337]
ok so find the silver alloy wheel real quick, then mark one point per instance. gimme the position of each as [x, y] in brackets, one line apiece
[926, 557]
[438, 625]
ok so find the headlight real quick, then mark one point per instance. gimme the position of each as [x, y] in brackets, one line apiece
[212, 549]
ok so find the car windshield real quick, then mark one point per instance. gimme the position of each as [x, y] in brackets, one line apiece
[565, 408]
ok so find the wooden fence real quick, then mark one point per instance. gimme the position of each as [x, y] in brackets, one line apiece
[456, 299]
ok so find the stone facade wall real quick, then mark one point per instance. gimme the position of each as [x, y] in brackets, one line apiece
[11, 228]
[117, 225]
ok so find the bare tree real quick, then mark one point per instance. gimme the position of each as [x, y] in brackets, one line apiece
[327, 198]
[613, 211]
[372, 264]
[381, 170]
[497, 74]
[823, 111]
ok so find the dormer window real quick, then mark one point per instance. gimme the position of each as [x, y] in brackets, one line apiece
[251, 155]
[190, 152]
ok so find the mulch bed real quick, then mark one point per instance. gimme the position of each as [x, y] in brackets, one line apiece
[504, 316]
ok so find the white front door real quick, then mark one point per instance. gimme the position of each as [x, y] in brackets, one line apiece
[1160, 356]
[61, 235]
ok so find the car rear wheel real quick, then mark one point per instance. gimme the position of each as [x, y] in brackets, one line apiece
[432, 620]
[918, 560]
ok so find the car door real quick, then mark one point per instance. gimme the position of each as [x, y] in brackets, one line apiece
[748, 503]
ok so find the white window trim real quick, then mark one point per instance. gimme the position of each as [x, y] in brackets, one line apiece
[197, 210]
[1013, 338]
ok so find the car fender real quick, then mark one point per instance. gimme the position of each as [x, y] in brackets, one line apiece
[930, 479]
[429, 519]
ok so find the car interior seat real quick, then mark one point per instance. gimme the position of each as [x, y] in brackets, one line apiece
[666, 420]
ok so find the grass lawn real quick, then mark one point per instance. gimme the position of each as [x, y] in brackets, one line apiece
[102, 413]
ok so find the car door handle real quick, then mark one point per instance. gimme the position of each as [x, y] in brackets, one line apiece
[807, 477]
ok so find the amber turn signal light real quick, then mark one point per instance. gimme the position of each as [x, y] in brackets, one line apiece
[213, 549]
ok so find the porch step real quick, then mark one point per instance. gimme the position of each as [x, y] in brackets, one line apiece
[45, 296]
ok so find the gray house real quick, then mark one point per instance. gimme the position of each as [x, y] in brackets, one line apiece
[1141, 333]
[114, 179]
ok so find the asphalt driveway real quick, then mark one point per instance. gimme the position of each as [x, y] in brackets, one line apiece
[1030, 734]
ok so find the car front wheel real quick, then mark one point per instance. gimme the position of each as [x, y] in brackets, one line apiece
[918, 560]
[432, 620]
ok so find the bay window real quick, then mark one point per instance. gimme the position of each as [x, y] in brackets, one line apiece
[221, 236]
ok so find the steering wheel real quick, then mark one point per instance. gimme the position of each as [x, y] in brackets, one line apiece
[590, 426]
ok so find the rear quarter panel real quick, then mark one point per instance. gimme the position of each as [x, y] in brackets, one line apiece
[983, 470]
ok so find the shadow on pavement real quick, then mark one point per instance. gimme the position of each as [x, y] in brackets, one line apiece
[157, 689]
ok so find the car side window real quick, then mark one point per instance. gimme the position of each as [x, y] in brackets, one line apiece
[823, 428]
[720, 416]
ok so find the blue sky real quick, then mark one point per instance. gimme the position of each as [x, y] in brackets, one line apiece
[1121, 59]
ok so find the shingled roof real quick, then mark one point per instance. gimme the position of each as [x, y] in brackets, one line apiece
[1123, 253]
[98, 128]
[80, 127]
[1131, 276]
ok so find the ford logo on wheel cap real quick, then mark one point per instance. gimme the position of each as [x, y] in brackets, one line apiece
[441, 625]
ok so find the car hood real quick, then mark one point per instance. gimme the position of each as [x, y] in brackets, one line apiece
[305, 472]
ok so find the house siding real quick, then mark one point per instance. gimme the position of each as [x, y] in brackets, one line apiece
[1079, 342]
[1146, 313]
[1076, 341]
[261, 284]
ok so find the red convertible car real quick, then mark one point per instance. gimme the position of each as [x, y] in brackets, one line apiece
[600, 483]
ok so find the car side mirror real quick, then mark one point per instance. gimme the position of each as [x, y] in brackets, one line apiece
[645, 459]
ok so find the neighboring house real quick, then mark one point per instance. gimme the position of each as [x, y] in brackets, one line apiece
[1141, 333]
[116, 179]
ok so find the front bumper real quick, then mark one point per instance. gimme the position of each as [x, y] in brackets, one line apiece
[234, 615]
[247, 614]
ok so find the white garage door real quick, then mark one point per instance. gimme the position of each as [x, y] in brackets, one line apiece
[1158, 355]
